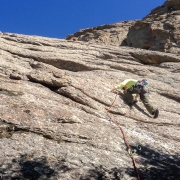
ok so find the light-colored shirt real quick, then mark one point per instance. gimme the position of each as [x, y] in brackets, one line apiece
[128, 83]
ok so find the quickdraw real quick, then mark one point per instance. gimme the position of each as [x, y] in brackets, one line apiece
[131, 152]
[138, 146]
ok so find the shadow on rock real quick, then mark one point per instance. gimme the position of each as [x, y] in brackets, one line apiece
[158, 165]
[155, 166]
[34, 169]
[152, 165]
[141, 110]
[103, 173]
[28, 168]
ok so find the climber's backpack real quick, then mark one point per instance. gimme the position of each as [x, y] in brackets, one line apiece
[140, 85]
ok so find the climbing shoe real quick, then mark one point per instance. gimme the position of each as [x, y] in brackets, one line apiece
[156, 113]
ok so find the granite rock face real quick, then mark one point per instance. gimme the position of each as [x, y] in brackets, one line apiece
[53, 119]
[108, 34]
[158, 31]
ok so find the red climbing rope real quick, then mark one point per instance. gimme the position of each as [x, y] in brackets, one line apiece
[124, 137]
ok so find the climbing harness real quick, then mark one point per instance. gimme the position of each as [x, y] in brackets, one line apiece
[130, 151]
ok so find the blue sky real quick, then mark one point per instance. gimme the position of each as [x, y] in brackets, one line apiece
[59, 18]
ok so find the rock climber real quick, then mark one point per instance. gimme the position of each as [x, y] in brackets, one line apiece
[140, 88]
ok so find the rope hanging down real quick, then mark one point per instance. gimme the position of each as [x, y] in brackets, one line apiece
[124, 137]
